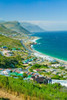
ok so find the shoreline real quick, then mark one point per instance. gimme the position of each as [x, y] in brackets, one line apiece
[44, 56]
[62, 82]
[35, 40]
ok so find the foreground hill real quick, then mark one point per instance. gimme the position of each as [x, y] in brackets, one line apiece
[31, 27]
[15, 26]
[28, 90]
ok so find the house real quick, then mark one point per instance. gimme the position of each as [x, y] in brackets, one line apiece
[38, 70]
[28, 61]
[13, 49]
[49, 80]
[25, 62]
[34, 70]
[40, 79]
[55, 65]
[29, 73]
[7, 53]
[34, 74]
[6, 72]
[4, 47]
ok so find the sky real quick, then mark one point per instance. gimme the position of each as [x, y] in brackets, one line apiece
[49, 14]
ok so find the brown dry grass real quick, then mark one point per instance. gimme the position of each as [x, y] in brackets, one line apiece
[4, 94]
[14, 96]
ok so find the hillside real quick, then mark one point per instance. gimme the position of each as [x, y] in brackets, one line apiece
[31, 90]
[31, 27]
[9, 42]
[6, 31]
[15, 26]
[13, 47]
[1, 21]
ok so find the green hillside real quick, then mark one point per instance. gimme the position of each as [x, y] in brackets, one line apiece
[9, 42]
[9, 62]
[33, 91]
[15, 26]
[6, 31]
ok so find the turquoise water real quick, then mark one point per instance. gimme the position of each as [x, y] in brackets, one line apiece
[53, 44]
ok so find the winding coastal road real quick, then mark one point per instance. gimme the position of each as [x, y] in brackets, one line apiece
[29, 51]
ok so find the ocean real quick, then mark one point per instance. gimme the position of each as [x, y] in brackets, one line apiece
[52, 44]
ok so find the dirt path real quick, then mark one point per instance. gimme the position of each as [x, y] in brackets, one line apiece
[9, 96]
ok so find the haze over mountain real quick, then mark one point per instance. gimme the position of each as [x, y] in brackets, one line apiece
[51, 25]
[32, 27]
[15, 26]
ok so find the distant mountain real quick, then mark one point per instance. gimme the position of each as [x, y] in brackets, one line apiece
[31, 27]
[15, 26]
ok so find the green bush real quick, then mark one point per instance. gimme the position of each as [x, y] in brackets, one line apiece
[4, 99]
[24, 75]
[29, 88]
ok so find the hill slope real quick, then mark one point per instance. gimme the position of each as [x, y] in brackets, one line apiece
[9, 42]
[15, 26]
[2, 21]
[6, 31]
[31, 27]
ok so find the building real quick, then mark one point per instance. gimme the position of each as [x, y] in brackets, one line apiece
[41, 79]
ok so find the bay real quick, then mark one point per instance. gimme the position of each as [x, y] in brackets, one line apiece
[52, 43]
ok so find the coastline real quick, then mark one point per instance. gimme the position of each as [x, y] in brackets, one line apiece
[44, 56]
[62, 82]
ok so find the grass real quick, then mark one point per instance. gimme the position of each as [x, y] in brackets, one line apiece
[9, 42]
[6, 31]
[4, 99]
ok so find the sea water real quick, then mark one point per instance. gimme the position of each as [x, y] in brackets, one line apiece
[53, 44]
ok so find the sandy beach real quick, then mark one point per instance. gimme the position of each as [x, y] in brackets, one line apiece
[44, 56]
[34, 40]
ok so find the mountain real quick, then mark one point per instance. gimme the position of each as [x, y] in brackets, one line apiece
[31, 27]
[9, 42]
[6, 31]
[15, 26]
[1, 21]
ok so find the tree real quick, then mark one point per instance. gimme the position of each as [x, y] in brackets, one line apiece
[24, 75]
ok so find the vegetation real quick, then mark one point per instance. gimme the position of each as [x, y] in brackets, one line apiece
[34, 90]
[9, 42]
[58, 77]
[6, 31]
[37, 66]
[4, 99]
[61, 67]
[11, 62]
[15, 26]
[24, 75]
[19, 86]
[56, 62]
